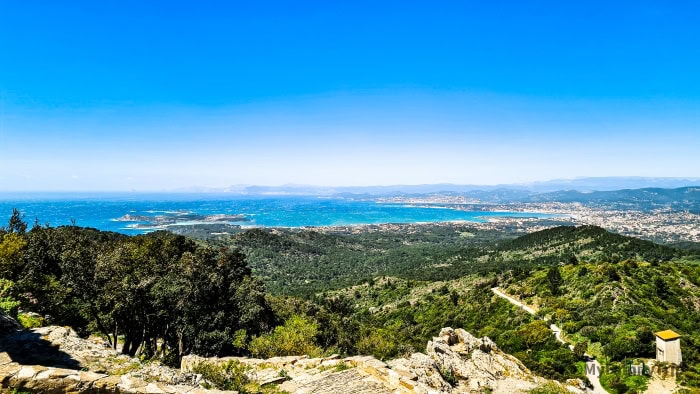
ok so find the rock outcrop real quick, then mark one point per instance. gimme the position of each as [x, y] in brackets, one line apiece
[55, 360]
[455, 362]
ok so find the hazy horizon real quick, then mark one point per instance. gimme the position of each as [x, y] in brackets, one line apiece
[584, 184]
[131, 96]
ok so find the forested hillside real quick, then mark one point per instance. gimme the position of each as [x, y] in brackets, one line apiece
[304, 262]
[297, 262]
[383, 293]
[159, 294]
[647, 199]
[613, 308]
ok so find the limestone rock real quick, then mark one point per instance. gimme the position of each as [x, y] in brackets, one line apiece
[350, 381]
[454, 362]
[421, 368]
[55, 360]
[477, 363]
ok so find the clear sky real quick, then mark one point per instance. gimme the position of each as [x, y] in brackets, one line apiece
[138, 95]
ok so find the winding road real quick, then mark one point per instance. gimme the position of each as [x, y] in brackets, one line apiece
[592, 366]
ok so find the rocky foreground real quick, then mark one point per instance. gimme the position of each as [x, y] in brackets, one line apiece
[55, 360]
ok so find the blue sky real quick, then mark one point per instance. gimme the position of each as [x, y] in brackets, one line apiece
[133, 96]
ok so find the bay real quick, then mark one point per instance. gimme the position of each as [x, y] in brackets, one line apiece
[150, 212]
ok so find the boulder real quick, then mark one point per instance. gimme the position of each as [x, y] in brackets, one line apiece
[476, 364]
[454, 362]
[55, 359]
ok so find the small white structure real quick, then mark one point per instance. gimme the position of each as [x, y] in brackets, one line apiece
[668, 347]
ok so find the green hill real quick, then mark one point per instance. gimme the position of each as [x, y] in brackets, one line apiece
[383, 292]
[614, 308]
[305, 262]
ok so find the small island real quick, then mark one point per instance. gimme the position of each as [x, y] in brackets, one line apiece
[178, 218]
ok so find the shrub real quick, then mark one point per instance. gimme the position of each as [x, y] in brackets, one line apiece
[549, 388]
[620, 388]
[580, 348]
[229, 376]
[449, 376]
[30, 320]
[379, 343]
[9, 306]
[296, 337]
[342, 367]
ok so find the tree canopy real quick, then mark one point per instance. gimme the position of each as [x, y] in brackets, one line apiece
[165, 294]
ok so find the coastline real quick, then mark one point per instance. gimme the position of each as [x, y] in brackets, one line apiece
[663, 224]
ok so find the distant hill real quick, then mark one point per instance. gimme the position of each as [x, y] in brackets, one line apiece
[515, 190]
[306, 262]
[611, 183]
[649, 198]
[589, 242]
[578, 189]
[613, 308]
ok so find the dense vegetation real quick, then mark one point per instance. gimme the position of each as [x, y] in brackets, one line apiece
[613, 308]
[162, 294]
[384, 293]
[303, 263]
[391, 317]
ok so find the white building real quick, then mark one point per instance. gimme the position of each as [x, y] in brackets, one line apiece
[668, 347]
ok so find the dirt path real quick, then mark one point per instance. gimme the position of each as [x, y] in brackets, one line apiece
[513, 301]
[659, 386]
[592, 367]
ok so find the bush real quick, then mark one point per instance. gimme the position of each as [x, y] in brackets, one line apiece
[549, 388]
[449, 376]
[378, 342]
[30, 320]
[8, 304]
[296, 337]
[229, 376]
[620, 388]
[580, 348]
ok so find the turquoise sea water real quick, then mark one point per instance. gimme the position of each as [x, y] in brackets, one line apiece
[101, 211]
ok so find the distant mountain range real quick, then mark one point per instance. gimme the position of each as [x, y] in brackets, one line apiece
[515, 190]
[584, 190]
[609, 184]
[614, 192]
[683, 198]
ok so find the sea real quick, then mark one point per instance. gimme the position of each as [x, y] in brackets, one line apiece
[142, 213]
